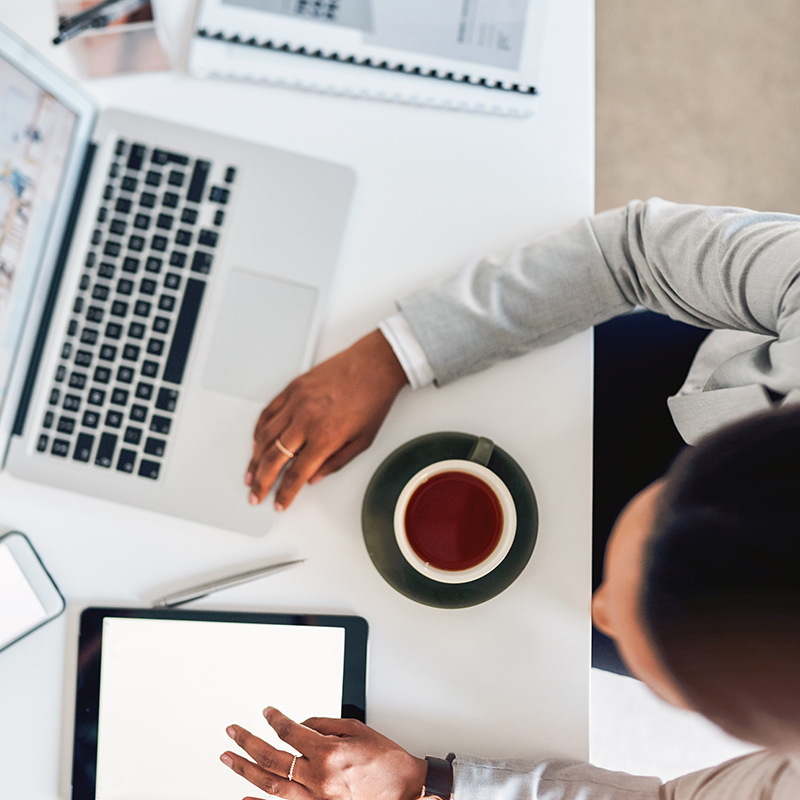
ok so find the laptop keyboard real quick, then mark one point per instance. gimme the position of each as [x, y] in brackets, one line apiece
[117, 384]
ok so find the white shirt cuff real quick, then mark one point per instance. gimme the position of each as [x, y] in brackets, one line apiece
[408, 351]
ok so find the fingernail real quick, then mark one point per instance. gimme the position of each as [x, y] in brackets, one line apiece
[316, 479]
[226, 760]
[231, 731]
[279, 506]
[253, 499]
[267, 710]
[248, 479]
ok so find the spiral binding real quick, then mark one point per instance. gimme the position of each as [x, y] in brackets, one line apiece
[514, 88]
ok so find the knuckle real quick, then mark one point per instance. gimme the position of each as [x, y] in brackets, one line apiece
[283, 728]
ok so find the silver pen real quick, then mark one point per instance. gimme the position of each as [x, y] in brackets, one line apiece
[196, 592]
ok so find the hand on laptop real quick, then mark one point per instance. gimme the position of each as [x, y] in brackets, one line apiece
[342, 759]
[324, 418]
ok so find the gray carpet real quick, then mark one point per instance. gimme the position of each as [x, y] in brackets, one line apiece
[699, 101]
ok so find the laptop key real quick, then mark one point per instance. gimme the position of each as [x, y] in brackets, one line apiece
[72, 403]
[96, 397]
[126, 461]
[60, 448]
[184, 332]
[201, 262]
[113, 330]
[149, 369]
[61, 373]
[125, 375]
[48, 420]
[189, 216]
[114, 419]
[154, 264]
[144, 391]
[131, 265]
[167, 399]
[159, 424]
[41, 444]
[147, 200]
[154, 447]
[66, 425]
[176, 178]
[129, 184]
[183, 238]
[136, 156]
[83, 447]
[119, 397]
[149, 469]
[138, 413]
[170, 200]
[91, 419]
[102, 374]
[122, 206]
[133, 435]
[83, 358]
[105, 450]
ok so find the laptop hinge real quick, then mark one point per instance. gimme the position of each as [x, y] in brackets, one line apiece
[52, 294]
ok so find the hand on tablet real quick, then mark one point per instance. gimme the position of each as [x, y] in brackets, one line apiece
[324, 418]
[342, 759]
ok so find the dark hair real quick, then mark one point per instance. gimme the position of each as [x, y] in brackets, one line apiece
[721, 592]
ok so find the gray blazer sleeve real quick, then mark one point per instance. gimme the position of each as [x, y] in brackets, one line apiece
[711, 267]
[763, 775]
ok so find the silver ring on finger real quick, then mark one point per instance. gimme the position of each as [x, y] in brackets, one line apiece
[291, 769]
[283, 448]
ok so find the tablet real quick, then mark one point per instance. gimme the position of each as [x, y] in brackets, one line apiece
[157, 689]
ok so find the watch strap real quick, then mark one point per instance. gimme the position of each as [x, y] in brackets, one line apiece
[439, 778]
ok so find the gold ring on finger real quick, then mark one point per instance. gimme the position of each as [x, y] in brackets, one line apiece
[283, 448]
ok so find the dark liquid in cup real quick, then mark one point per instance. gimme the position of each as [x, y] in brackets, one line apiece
[453, 521]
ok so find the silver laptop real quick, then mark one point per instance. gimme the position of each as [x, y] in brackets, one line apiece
[158, 285]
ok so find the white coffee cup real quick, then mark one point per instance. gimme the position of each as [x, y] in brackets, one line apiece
[481, 452]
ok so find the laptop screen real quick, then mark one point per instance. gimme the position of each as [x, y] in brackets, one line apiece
[36, 131]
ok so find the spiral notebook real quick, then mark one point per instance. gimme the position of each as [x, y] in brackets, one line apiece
[474, 55]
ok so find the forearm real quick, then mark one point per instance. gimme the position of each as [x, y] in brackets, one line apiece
[765, 775]
[711, 267]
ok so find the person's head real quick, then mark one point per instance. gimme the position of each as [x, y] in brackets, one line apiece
[701, 587]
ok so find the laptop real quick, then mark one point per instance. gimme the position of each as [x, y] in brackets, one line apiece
[158, 286]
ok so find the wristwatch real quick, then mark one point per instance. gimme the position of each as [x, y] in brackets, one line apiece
[439, 778]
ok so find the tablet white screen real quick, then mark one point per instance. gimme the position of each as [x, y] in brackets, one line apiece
[169, 688]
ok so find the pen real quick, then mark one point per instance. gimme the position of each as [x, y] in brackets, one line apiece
[196, 592]
[98, 16]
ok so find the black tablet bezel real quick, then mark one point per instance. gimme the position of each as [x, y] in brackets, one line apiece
[84, 756]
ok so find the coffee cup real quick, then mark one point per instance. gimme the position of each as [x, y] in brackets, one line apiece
[455, 520]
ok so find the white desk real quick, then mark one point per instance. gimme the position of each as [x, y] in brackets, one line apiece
[506, 678]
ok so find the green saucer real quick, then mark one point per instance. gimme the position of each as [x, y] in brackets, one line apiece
[377, 521]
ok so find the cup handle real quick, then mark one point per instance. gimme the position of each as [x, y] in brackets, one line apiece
[482, 451]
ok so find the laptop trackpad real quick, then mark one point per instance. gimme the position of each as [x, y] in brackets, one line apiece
[261, 336]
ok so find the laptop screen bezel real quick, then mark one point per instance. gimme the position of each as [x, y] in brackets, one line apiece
[67, 92]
